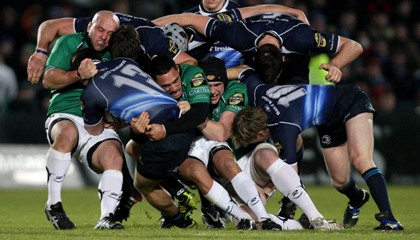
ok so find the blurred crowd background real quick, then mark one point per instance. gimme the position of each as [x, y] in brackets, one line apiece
[389, 31]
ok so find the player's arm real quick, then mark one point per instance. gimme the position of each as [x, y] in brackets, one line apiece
[218, 131]
[58, 78]
[348, 51]
[185, 58]
[233, 73]
[191, 119]
[48, 31]
[265, 8]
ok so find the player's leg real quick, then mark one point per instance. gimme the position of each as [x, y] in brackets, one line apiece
[265, 165]
[195, 171]
[226, 166]
[129, 197]
[108, 158]
[288, 208]
[361, 145]
[63, 136]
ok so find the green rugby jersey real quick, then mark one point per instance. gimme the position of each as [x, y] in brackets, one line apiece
[67, 99]
[234, 99]
[195, 88]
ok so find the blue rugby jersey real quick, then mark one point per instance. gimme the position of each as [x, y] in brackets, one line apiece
[293, 108]
[200, 47]
[123, 91]
[297, 38]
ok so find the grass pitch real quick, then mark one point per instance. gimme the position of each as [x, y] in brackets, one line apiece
[22, 217]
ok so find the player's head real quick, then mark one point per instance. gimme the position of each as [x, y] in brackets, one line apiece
[125, 42]
[100, 29]
[215, 70]
[268, 59]
[177, 34]
[212, 5]
[166, 73]
[269, 62]
[249, 126]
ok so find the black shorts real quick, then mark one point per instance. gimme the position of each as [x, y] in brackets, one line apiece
[161, 159]
[352, 102]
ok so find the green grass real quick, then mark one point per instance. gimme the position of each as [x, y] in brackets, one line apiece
[22, 217]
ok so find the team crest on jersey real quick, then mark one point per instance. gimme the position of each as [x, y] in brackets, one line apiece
[237, 99]
[197, 80]
[173, 48]
[224, 17]
[320, 40]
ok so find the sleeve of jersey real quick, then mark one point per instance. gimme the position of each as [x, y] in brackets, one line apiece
[80, 24]
[321, 41]
[61, 54]
[234, 34]
[156, 42]
[92, 106]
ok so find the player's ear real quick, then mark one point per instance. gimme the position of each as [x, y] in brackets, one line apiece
[263, 134]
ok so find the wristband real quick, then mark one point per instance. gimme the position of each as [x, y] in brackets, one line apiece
[42, 51]
[78, 74]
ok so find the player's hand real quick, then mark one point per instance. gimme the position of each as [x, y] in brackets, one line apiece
[184, 106]
[139, 125]
[334, 73]
[35, 67]
[87, 69]
[156, 132]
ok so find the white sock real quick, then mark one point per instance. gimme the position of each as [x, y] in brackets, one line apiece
[58, 164]
[220, 197]
[247, 191]
[287, 181]
[109, 191]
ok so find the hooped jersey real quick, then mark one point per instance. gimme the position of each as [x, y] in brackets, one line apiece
[297, 38]
[153, 40]
[66, 100]
[293, 108]
[120, 91]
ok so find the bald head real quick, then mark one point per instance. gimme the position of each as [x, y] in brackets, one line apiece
[106, 15]
[100, 29]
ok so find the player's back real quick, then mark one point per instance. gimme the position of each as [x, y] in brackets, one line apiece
[122, 89]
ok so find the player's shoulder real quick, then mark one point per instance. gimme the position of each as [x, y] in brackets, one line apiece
[74, 37]
[193, 75]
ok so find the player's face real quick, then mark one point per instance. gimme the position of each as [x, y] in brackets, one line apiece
[216, 90]
[100, 32]
[171, 83]
[213, 5]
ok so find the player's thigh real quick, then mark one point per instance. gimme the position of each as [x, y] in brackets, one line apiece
[337, 164]
[360, 141]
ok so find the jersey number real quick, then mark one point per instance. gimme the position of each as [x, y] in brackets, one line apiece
[286, 94]
[131, 70]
